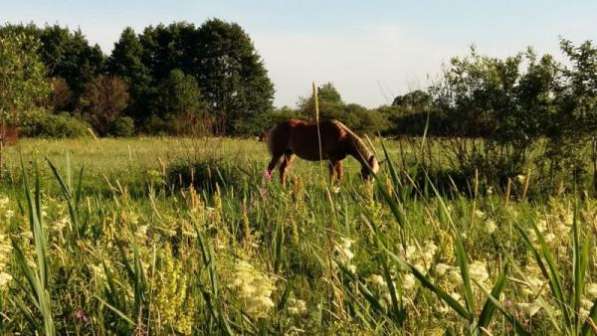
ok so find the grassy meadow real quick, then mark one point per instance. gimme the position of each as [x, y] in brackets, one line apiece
[121, 237]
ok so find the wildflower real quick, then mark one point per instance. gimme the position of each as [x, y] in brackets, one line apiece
[550, 237]
[253, 288]
[3, 201]
[429, 252]
[5, 278]
[585, 307]
[296, 306]
[9, 214]
[5, 251]
[490, 226]
[142, 231]
[408, 281]
[336, 190]
[479, 213]
[478, 271]
[592, 290]
[529, 308]
[542, 225]
[61, 224]
[344, 253]
[410, 252]
[441, 269]
[376, 280]
[454, 276]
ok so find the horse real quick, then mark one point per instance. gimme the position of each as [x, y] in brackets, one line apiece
[301, 138]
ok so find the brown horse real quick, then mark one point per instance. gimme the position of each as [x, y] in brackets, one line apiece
[301, 138]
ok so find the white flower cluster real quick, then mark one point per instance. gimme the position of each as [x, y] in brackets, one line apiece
[490, 225]
[297, 306]
[554, 226]
[420, 257]
[4, 210]
[343, 253]
[253, 288]
[450, 279]
[5, 251]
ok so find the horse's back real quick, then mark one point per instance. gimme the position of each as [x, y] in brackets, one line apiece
[302, 138]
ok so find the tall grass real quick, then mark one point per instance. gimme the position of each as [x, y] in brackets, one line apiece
[394, 256]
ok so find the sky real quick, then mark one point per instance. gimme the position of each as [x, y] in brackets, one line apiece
[371, 50]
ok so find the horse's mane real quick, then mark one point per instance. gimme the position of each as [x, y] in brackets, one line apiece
[357, 142]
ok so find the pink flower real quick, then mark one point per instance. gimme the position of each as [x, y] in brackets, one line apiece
[267, 175]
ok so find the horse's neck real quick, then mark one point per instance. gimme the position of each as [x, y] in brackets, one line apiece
[359, 151]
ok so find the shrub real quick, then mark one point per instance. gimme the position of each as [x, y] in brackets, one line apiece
[39, 123]
[123, 127]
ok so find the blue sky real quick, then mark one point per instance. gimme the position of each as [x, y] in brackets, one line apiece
[371, 50]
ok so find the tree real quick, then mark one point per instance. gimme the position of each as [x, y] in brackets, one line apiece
[180, 104]
[330, 102]
[231, 74]
[413, 102]
[68, 55]
[23, 85]
[61, 94]
[103, 101]
[575, 120]
[126, 62]
[363, 120]
[22, 81]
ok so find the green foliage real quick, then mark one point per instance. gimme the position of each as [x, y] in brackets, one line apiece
[23, 85]
[40, 123]
[123, 127]
[331, 106]
[103, 101]
[180, 104]
[231, 74]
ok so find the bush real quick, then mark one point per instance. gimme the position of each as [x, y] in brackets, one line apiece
[40, 123]
[123, 127]
[206, 174]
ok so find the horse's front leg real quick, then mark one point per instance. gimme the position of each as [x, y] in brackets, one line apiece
[339, 170]
[272, 165]
[284, 166]
[336, 171]
[332, 169]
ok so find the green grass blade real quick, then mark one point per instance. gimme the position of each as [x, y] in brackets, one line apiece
[427, 283]
[518, 327]
[489, 307]
[462, 260]
[549, 271]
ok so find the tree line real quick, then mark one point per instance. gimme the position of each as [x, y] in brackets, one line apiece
[170, 79]
[181, 79]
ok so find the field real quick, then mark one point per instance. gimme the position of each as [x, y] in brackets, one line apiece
[113, 241]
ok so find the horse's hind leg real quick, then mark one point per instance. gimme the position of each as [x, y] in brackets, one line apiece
[284, 166]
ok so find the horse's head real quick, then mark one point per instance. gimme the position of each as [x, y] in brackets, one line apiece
[372, 167]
